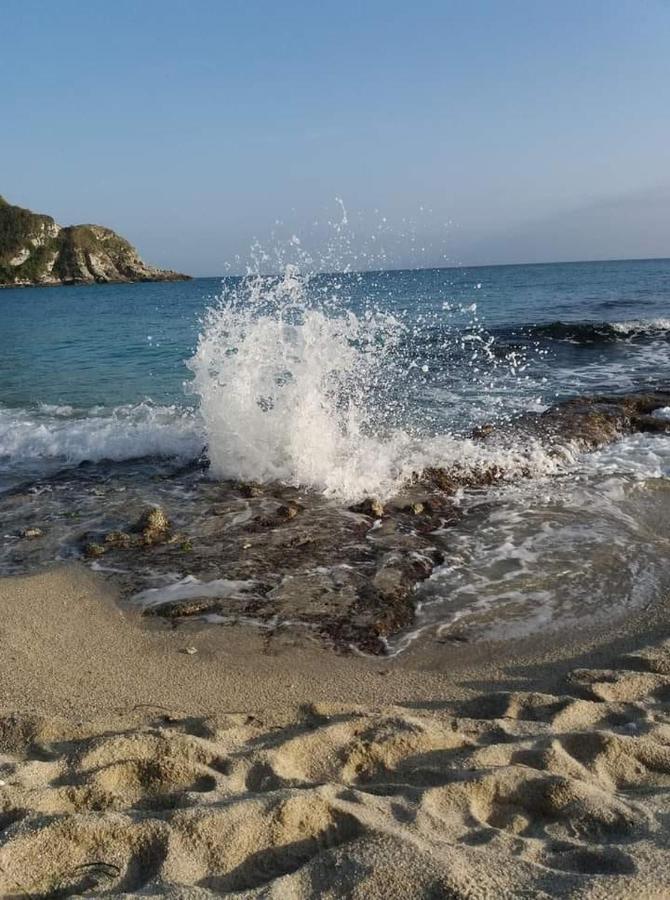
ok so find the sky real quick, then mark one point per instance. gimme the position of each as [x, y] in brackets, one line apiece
[456, 132]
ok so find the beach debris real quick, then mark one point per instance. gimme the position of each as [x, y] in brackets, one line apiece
[190, 651]
[31, 534]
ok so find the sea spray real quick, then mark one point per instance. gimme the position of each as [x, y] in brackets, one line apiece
[295, 386]
[291, 391]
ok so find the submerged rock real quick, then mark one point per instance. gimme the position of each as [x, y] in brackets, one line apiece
[153, 526]
[119, 539]
[288, 510]
[93, 550]
[179, 609]
[370, 507]
[250, 489]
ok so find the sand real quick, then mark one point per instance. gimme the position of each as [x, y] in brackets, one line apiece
[275, 768]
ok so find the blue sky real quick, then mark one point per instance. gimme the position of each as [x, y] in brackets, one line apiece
[492, 131]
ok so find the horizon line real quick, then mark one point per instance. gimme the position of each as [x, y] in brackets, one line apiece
[557, 262]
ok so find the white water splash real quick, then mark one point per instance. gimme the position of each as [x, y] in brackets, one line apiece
[642, 326]
[307, 392]
[287, 389]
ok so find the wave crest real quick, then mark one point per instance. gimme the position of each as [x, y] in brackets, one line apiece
[126, 432]
[600, 332]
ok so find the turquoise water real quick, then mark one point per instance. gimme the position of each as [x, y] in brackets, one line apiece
[115, 396]
[123, 344]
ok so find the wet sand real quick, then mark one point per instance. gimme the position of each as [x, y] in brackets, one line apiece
[274, 767]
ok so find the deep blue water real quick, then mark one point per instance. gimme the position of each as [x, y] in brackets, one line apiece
[120, 344]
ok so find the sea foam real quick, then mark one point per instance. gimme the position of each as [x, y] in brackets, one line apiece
[126, 432]
[303, 390]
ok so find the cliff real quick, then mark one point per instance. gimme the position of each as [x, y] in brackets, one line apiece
[34, 249]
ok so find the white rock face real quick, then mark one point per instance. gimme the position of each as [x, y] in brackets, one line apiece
[20, 257]
[48, 230]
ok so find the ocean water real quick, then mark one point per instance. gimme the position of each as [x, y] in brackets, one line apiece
[343, 385]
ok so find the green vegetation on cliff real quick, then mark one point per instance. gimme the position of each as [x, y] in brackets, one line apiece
[34, 249]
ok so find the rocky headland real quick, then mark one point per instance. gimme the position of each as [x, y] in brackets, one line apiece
[36, 250]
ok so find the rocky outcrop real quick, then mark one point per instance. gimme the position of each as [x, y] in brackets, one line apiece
[35, 250]
[286, 557]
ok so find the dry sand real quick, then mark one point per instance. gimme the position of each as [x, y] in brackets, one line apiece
[538, 768]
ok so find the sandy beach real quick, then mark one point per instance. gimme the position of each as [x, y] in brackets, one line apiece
[335, 451]
[132, 766]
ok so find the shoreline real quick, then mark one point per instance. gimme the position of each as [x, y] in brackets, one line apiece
[537, 767]
[94, 283]
[67, 620]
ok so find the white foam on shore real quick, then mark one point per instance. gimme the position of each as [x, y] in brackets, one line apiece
[190, 588]
[513, 568]
[126, 432]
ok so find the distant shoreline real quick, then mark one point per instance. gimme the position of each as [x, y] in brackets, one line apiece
[353, 273]
[62, 284]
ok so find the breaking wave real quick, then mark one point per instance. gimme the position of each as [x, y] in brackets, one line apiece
[600, 332]
[297, 388]
[75, 436]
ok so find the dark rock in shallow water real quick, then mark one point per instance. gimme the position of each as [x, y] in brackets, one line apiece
[347, 575]
[288, 510]
[93, 550]
[250, 489]
[304, 561]
[179, 609]
[591, 422]
[153, 526]
[119, 539]
[369, 507]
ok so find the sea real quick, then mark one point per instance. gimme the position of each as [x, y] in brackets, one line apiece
[341, 386]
